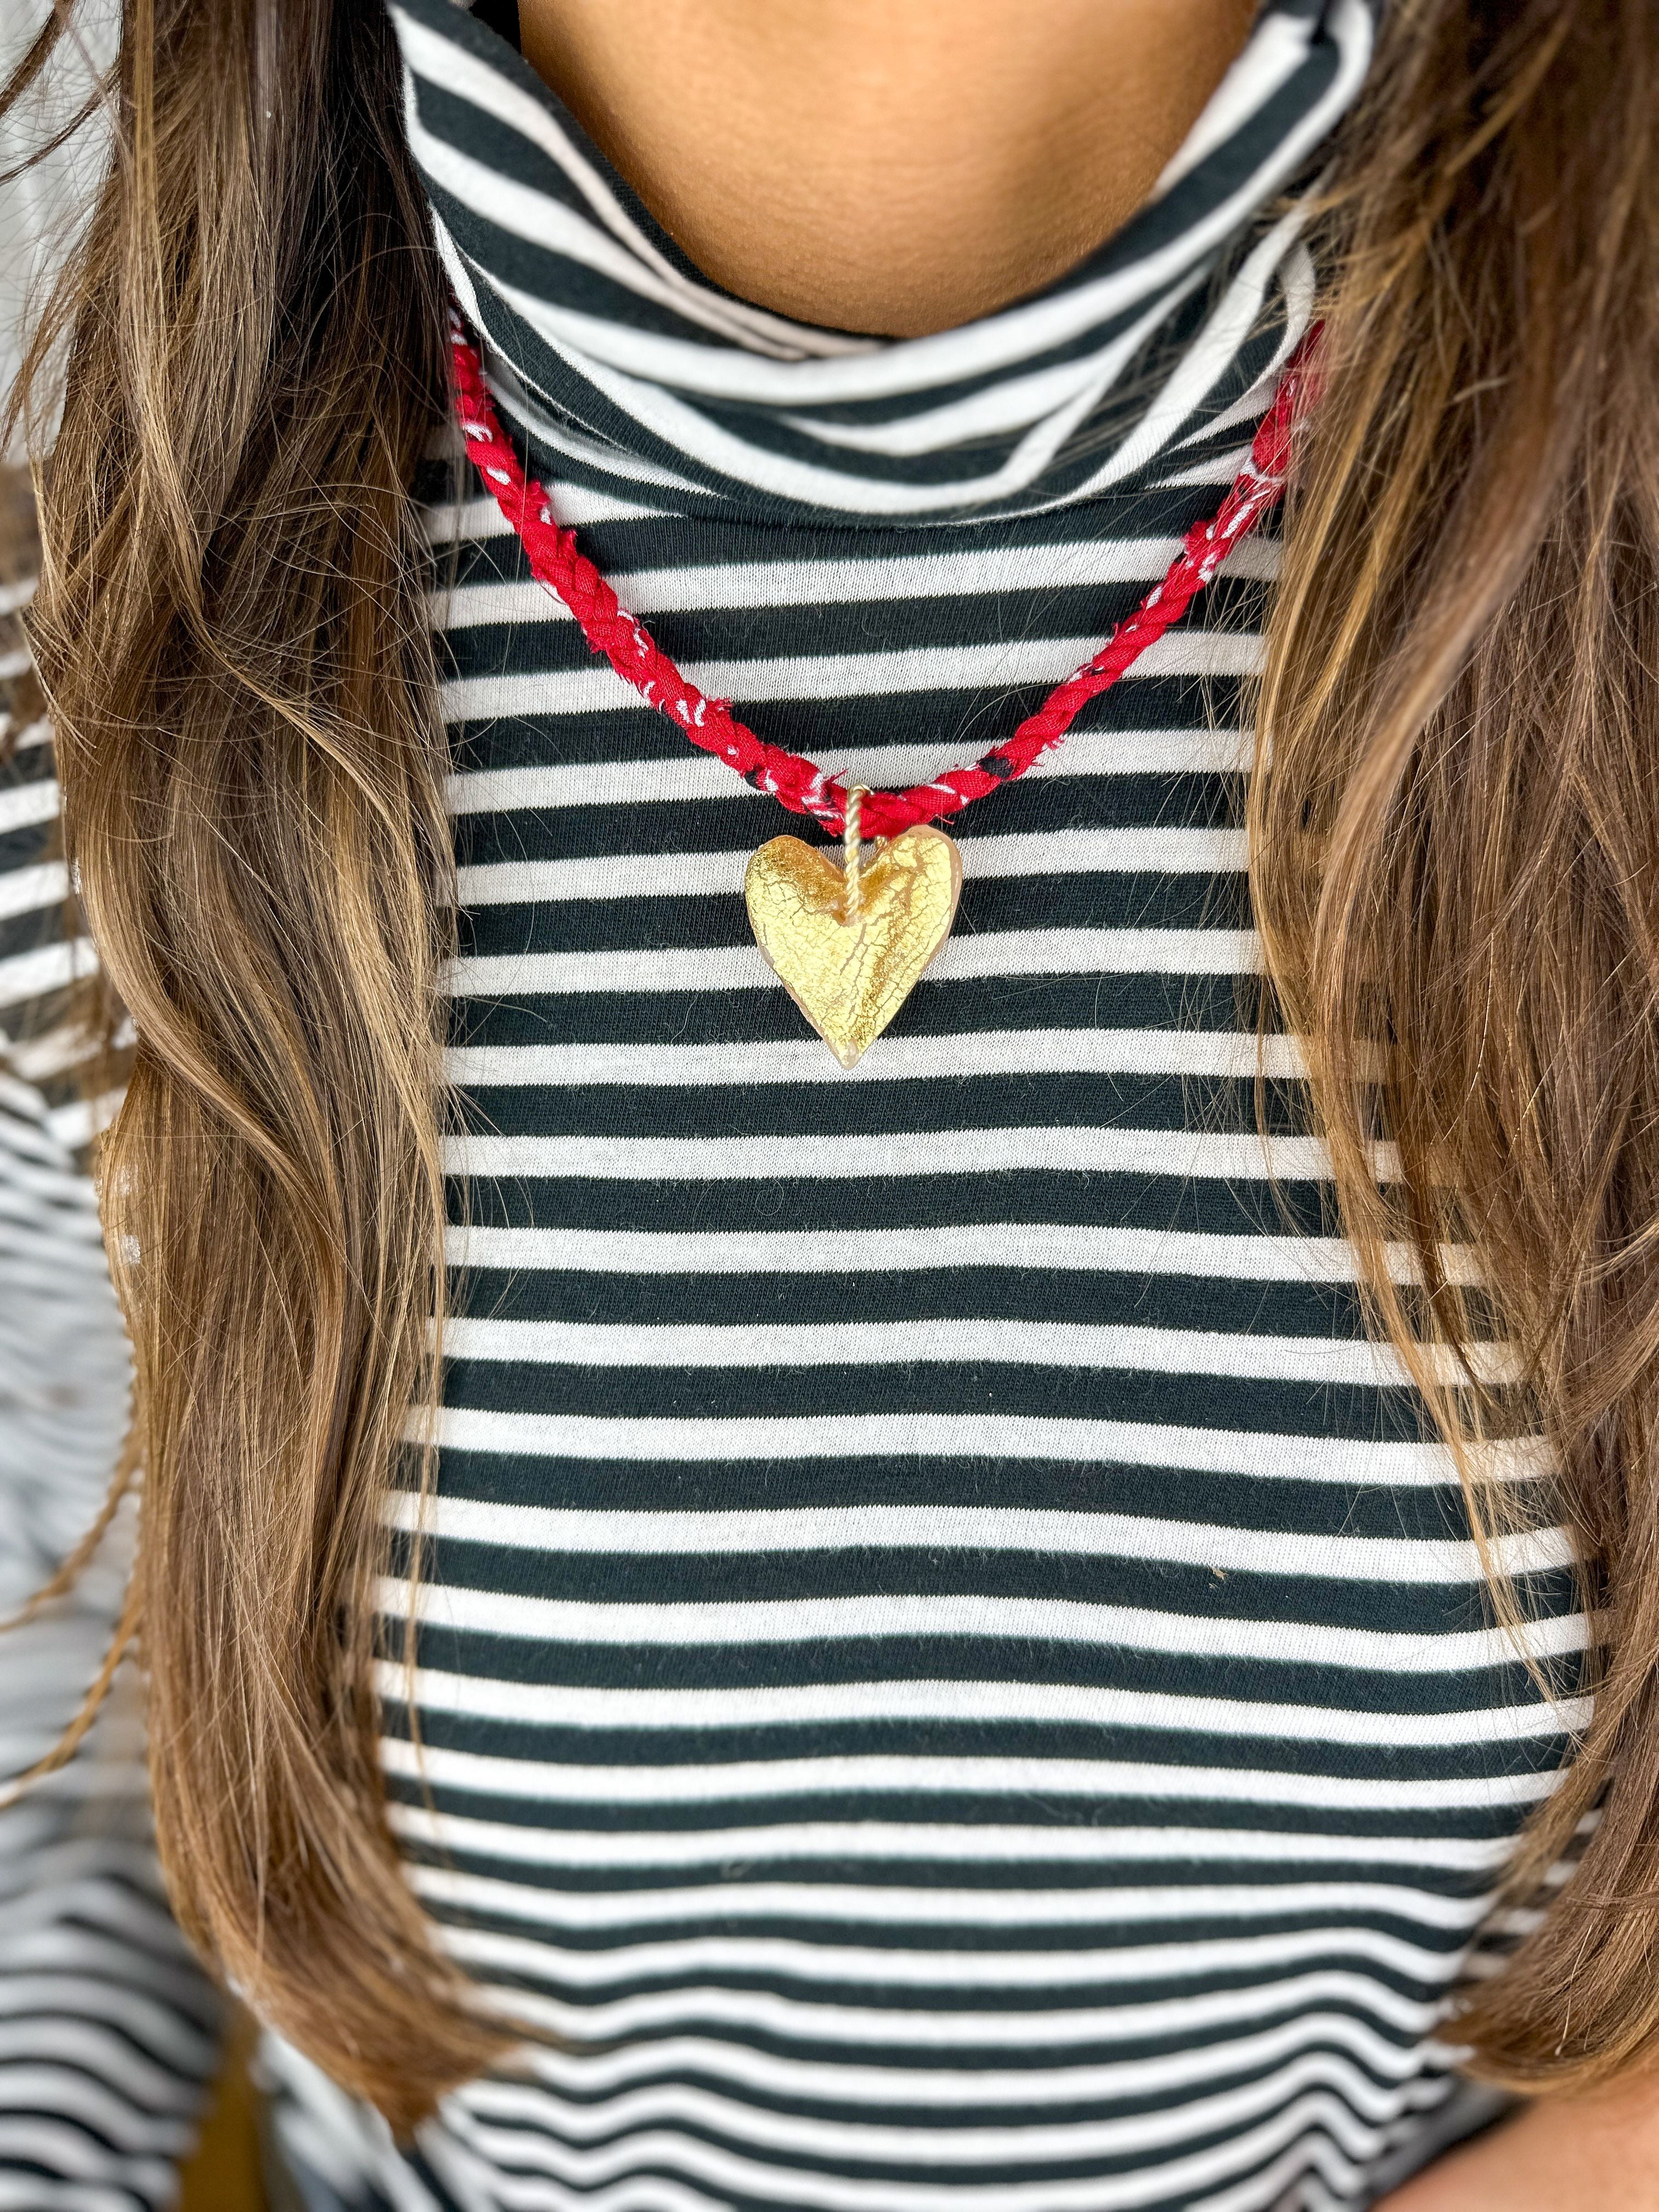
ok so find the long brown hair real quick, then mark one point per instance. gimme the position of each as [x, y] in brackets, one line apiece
[1454, 849]
[1454, 856]
[231, 629]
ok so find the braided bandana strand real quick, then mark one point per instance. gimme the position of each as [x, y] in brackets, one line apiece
[800, 785]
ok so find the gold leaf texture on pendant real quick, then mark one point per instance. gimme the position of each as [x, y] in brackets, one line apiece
[849, 974]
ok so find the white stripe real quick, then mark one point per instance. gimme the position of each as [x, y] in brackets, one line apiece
[1327, 1361]
[26, 890]
[693, 775]
[721, 1346]
[78, 1978]
[587, 689]
[1086, 1248]
[971, 1437]
[1231, 1156]
[49, 968]
[58, 1052]
[93, 2177]
[878, 1906]
[91, 2048]
[1295, 1554]
[771, 2014]
[1219, 471]
[1040, 854]
[958, 1436]
[1038, 1704]
[721, 1958]
[106, 2110]
[914, 1774]
[881, 1614]
[1032, 402]
[1000, 1844]
[966, 958]
[27, 803]
[731, 586]
[823, 2079]
[469, 520]
[1223, 1053]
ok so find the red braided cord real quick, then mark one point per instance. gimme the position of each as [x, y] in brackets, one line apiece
[709, 723]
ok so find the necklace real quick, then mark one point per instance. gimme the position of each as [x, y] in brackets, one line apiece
[848, 943]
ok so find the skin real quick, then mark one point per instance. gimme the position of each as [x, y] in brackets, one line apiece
[893, 169]
[901, 166]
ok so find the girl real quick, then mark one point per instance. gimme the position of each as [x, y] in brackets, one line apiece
[767, 1579]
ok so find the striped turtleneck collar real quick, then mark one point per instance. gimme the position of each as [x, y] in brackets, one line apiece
[604, 344]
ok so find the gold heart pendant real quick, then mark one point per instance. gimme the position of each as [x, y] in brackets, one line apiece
[848, 944]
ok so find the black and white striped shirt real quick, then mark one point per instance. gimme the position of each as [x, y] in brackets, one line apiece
[951, 1673]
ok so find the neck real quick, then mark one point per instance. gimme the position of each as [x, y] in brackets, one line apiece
[888, 166]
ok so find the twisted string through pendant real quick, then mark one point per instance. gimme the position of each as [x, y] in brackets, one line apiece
[853, 895]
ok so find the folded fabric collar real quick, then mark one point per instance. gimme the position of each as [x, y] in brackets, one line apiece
[605, 344]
